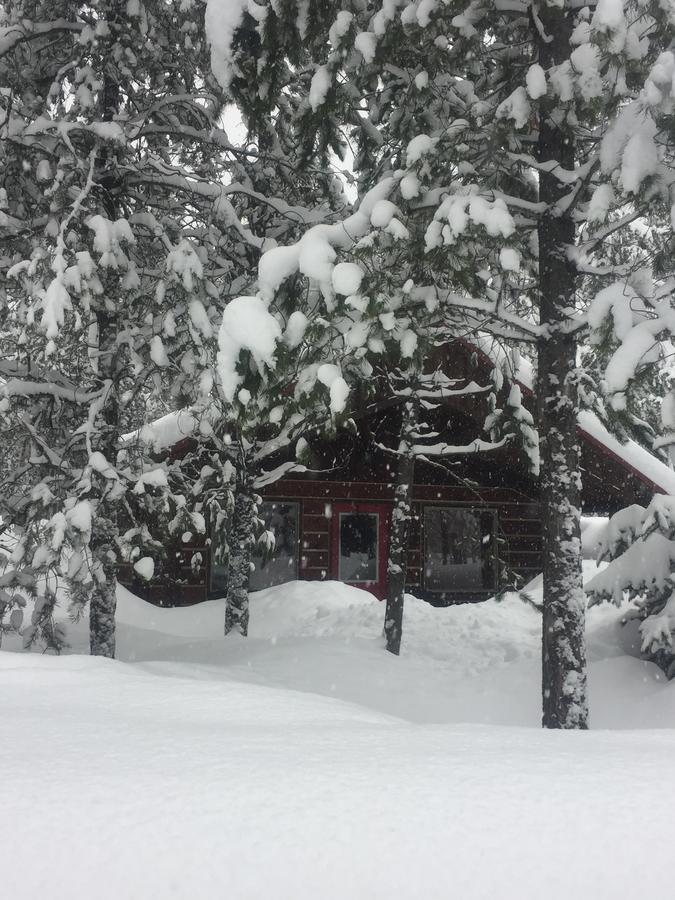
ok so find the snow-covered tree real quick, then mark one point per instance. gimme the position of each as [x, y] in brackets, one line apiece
[293, 184]
[357, 342]
[633, 319]
[119, 237]
[519, 139]
[639, 546]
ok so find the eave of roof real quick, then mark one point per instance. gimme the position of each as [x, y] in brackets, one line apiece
[643, 464]
[174, 427]
[649, 469]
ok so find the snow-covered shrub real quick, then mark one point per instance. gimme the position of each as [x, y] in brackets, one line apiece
[639, 545]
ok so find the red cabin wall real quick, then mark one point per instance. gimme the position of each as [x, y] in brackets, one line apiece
[518, 527]
[518, 521]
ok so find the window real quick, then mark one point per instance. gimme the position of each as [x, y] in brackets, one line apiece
[281, 564]
[359, 541]
[459, 550]
[219, 574]
[271, 568]
[219, 561]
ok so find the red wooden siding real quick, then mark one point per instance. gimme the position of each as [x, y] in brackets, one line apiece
[518, 534]
[518, 522]
[506, 487]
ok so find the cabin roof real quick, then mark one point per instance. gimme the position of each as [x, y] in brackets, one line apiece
[649, 469]
[174, 427]
[631, 455]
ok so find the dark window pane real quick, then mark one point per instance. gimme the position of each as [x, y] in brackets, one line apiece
[281, 564]
[219, 575]
[358, 546]
[219, 558]
[459, 551]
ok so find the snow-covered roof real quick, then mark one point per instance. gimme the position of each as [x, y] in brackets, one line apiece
[647, 467]
[644, 464]
[170, 429]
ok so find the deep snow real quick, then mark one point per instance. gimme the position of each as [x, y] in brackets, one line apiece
[305, 762]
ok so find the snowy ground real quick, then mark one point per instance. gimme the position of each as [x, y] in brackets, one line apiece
[305, 762]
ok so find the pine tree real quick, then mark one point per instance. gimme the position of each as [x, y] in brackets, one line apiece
[119, 237]
[519, 145]
[633, 322]
[259, 65]
[365, 329]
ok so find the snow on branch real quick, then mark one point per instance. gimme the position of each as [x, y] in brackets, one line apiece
[512, 325]
[564, 176]
[29, 31]
[221, 21]
[314, 254]
[17, 388]
[442, 392]
[247, 325]
[271, 477]
[444, 449]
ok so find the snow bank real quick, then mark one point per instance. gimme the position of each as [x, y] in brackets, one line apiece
[468, 663]
[307, 758]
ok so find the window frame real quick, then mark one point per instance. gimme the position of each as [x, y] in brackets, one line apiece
[212, 591]
[298, 536]
[359, 581]
[477, 510]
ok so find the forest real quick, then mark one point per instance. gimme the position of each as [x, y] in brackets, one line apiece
[379, 292]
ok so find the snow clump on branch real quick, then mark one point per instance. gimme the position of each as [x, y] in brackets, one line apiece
[247, 325]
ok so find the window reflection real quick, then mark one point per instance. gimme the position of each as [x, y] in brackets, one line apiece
[281, 563]
[358, 547]
[459, 550]
[274, 566]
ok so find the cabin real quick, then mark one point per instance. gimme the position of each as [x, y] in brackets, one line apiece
[476, 527]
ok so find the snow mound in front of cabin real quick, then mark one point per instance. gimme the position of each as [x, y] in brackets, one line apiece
[468, 663]
[472, 637]
[466, 639]
[314, 609]
[475, 662]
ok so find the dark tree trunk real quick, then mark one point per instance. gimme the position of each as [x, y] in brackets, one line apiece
[103, 598]
[102, 601]
[563, 641]
[102, 608]
[397, 565]
[241, 541]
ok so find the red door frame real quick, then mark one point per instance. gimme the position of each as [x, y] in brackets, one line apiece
[383, 510]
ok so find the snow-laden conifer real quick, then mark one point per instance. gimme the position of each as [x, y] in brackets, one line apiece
[120, 236]
[522, 143]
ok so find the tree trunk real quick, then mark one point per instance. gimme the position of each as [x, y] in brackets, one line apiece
[103, 597]
[102, 601]
[563, 641]
[239, 566]
[102, 619]
[397, 565]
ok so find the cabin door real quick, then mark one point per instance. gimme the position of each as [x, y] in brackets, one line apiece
[360, 545]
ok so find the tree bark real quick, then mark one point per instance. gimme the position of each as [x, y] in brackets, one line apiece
[397, 564]
[239, 565]
[563, 640]
[103, 598]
